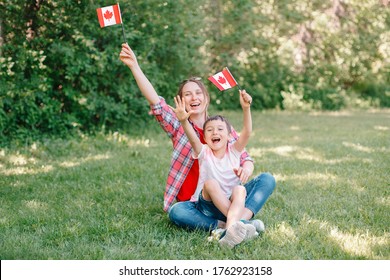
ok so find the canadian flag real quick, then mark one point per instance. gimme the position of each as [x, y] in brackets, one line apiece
[109, 15]
[223, 80]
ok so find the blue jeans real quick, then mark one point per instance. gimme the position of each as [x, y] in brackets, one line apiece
[187, 215]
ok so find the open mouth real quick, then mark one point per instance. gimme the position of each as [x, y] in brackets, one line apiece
[215, 140]
[195, 105]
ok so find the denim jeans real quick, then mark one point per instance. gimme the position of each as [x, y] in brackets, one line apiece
[186, 214]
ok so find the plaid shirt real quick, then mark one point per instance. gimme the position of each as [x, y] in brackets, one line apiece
[182, 161]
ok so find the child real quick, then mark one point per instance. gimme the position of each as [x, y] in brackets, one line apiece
[219, 188]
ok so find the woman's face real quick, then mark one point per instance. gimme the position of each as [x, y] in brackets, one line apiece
[194, 97]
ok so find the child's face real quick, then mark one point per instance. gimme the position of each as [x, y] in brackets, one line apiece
[216, 134]
[194, 98]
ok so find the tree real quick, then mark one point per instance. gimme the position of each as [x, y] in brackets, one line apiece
[60, 72]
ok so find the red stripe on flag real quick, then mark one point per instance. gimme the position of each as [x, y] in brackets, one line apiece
[229, 77]
[211, 79]
[100, 17]
[117, 14]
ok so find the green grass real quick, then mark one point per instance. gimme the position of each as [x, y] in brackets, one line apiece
[101, 197]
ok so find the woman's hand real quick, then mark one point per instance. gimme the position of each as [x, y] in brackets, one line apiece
[127, 56]
[245, 99]
[180, 110]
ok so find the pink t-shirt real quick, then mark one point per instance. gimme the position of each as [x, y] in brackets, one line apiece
[221, 170]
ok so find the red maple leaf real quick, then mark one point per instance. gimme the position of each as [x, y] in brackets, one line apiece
[108, 15]
[221, 80]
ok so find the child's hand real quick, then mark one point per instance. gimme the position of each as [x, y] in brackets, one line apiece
[242, 173]
[245, 99]
[180, 110]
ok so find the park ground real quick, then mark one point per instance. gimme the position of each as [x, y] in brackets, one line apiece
[101, 196]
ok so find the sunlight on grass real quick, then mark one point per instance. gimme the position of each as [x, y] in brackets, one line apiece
[384, 201]
[30, 166]
[298, 153]
[356, 186]
[283, 234]
[27, 170]
[77, 162]
[380, 127]
[74, 227]
[358, 147]
[130, 142]
[21, 164]
[20, 160]
[284, 151]
[332, 113]
[69, 164]
[4, 221]
[359, 244]
[35, 205]
[310, 176]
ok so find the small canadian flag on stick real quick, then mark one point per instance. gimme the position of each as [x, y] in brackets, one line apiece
[223, 80]
[109, 15]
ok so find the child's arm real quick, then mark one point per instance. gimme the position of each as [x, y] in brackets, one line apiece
[183, 116]
[245, 100]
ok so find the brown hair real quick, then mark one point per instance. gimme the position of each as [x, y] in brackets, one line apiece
[218, 117]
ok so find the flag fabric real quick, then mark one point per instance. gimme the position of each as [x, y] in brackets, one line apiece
[109, 15]
[223, 80]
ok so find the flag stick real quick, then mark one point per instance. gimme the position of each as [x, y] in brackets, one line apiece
[123, 33]
[225, 68]
[123, 29]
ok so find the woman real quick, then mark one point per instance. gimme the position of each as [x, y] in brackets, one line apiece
[184, 171]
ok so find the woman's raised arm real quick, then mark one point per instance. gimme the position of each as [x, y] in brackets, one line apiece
[128, 57]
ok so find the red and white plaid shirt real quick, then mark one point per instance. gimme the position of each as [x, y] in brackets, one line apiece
[182, 161]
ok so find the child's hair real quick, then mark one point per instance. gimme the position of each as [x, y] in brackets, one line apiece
[218, 117]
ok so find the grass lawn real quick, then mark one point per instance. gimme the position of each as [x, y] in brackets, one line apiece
[101, 197]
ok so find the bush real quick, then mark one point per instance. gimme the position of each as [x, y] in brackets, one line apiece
[60, 72]
[376, 93]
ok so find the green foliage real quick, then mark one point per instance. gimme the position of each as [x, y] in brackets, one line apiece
[375, 92]
[60, 72]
